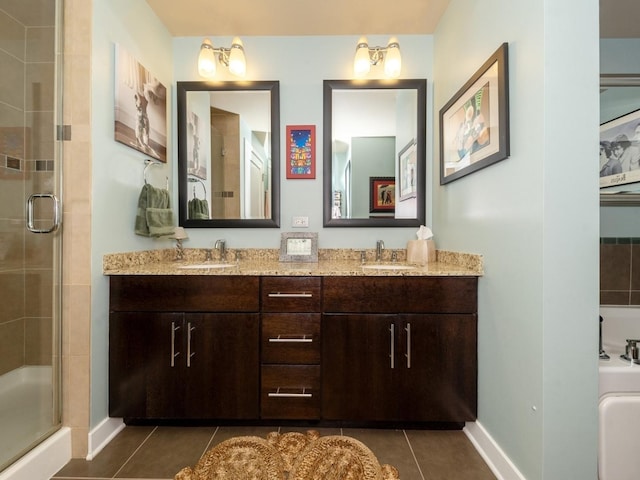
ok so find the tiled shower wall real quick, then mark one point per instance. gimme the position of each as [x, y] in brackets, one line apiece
[26, 166]
[620, 271]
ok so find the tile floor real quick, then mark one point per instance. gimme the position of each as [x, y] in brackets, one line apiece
[158, 453]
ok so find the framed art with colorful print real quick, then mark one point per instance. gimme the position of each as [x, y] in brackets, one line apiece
[301, 151]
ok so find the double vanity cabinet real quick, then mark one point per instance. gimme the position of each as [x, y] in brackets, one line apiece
[362, 349]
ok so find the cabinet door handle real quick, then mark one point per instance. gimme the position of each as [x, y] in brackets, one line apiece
[290, 295]
[174, 329]
[277, 394]
[393, 348]
[301, 339]
[189, 352]
[408, 354]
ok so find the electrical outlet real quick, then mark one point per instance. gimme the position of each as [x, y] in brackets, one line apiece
[300, 222]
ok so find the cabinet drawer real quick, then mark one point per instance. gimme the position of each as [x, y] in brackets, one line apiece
[291, 338]
[400, 294]
[184, 293]
[291, 294]
[290, 391]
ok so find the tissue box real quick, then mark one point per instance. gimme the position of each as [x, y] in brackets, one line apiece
[421, 252]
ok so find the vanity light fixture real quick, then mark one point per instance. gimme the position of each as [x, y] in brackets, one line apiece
[232, 57]
[367, 56]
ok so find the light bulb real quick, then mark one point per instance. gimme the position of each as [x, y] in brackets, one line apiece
[207, 59]
[362, 61]
[393, 60]
[237, 62]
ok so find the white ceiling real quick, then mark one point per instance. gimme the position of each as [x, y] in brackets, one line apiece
[618, 18]
[298, 17]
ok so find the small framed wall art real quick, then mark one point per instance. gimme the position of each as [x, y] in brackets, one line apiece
[382, 194]
[474, 124]
[301, 151]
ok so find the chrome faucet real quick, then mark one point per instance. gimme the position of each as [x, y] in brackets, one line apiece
[222, 246]
[379, 248]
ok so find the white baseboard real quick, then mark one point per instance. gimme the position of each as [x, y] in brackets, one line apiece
[43, 461]
[501, 466]
[100, 436]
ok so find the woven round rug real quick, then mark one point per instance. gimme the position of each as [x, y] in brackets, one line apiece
[337, 457]
[291, 445]
[239, 458]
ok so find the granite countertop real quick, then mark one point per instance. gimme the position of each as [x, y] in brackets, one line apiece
[331, 262]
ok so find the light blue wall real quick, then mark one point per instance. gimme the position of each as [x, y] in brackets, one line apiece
[117, 169]
[534, 217]
[620, 56]
[301, 64]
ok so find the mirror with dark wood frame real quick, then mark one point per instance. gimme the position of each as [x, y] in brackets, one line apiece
[228, 154]
[374, 153]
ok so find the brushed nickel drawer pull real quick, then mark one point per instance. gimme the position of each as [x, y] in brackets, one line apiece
[189, 352]
[277, 394]
[392, 353]
[303, 339]
[408, 354]
[290, 295]
[174, 329]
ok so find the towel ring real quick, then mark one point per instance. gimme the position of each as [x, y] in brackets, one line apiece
[148, 162]
[194, 180]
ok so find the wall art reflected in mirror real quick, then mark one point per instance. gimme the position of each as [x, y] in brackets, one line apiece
[228, 154]
[374, 129]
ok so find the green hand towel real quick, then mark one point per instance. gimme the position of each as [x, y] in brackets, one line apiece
[141, 227]
[160, 222]
[154, 217]
[198, 209]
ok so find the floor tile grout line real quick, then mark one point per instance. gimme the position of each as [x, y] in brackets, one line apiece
[135, 451]
[415, 459]
[206, 449]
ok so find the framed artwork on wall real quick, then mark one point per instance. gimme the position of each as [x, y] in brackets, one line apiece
[620, 150]
[140, 107]
[474, 124]
[382, 194]
[196, 157]
[301, 151]
[407, 167]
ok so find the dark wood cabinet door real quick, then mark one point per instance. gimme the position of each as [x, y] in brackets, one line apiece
[183, 366]
[437, 368]
[414, 368]
[221, 377]
[359, 365]
[143, 380]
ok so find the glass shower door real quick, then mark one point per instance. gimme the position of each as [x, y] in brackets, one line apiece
[30, 240]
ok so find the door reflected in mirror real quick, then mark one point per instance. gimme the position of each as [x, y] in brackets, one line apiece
[228, 150]
[374, 153]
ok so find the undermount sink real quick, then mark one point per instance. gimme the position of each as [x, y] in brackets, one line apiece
[199, 266]
[388, 266]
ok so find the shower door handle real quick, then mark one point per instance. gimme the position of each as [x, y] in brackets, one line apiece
[55, 221]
